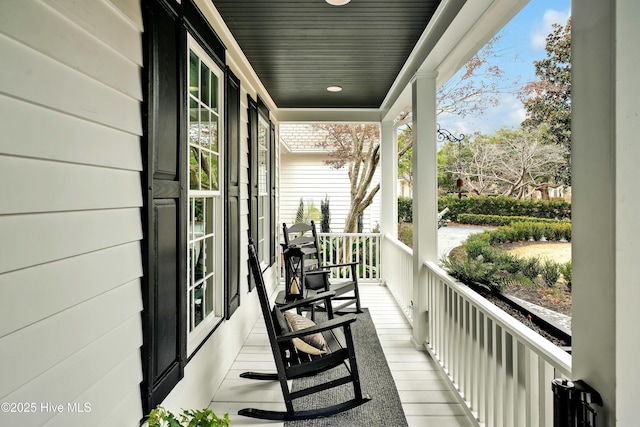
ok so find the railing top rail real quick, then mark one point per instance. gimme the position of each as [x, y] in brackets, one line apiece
[394, 240]
[544, 348]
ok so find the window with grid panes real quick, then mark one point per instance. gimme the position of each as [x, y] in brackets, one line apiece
[205, 212]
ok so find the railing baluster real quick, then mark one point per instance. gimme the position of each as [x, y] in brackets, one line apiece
[481, 406]
[520, 383]
[491, 372]
[545, 376]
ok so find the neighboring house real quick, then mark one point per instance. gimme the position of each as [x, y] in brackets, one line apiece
[305, 175]
[405, 189]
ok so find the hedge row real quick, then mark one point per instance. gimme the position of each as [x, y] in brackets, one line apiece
[495, 206]
[498, 220]
[520, 231]
[504, 206]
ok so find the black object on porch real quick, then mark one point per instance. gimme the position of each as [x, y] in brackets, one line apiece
[306, 269]
[332, 347]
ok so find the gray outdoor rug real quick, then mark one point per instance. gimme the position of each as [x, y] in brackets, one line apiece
[385, 408]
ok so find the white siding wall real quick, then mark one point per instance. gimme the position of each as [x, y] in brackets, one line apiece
[306, 176]
[70, 198]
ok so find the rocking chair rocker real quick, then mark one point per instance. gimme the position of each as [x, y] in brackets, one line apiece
[294, 358]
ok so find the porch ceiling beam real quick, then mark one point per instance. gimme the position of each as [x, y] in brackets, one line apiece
[328, 115]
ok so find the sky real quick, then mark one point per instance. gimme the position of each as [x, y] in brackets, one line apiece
[523, 41]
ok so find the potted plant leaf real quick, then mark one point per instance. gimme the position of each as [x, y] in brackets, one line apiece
[161, 417]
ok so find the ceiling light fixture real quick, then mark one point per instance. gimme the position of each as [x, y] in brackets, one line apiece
[338, 2]
[334, 89]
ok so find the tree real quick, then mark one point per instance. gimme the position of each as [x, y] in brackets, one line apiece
[470, 92]
[548, 100]
[405, 169]
[358, 147]
[510, 162]
[477, 86]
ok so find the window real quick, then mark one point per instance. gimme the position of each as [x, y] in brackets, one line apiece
[205, 234]
[263, 192]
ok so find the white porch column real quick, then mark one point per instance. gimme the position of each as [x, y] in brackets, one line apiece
[425, 199]
[389, 179]
[606, 207]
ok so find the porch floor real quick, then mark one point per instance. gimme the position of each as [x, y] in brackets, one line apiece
[426, 396]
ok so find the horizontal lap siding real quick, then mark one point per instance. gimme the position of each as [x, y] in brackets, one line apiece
[306, 176]
[70, 218]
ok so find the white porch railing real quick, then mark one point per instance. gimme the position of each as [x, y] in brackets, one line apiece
[501, 369]
[398, 273]
[364, 248]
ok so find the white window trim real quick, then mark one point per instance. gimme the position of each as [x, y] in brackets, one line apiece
[204, 328]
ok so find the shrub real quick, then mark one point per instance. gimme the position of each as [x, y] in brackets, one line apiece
[473, 271]
[531, 267]
[405, 233]
[478, 244]
[536, 232]
[550, 272]
[565, 270]
[523, 230]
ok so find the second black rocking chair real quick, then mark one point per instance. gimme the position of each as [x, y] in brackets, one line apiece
[305, 266]
[295, 358]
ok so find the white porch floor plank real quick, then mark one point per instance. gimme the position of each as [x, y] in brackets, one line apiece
[426, 396]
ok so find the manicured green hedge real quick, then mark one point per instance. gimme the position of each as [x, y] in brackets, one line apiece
[503, 206]
[498, 220]
[405, 209]
[493, 206]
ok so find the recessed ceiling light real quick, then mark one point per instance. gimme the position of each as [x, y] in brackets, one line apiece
[334, 89]
[338, 2]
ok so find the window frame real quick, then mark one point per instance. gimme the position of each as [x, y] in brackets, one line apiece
[264, 236]
[214, 230]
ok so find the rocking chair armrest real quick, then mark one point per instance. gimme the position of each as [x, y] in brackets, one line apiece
[306, 301]
[344, 264]
[320, 270]
[335, 323]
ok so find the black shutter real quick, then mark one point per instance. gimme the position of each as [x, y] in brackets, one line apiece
[163, 288]
[232, 160]
[272, 192]
[253, 172]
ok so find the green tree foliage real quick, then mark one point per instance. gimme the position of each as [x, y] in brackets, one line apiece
[547, 101]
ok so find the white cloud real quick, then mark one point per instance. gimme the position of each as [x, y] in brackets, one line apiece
[542, 29]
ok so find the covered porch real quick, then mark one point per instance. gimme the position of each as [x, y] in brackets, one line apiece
[478, 365]
[500, 371]
[97, 264]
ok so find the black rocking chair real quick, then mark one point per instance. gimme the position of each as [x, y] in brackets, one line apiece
[304, 266]
[297, 361]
